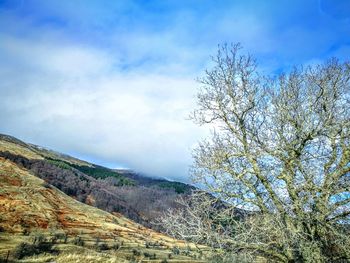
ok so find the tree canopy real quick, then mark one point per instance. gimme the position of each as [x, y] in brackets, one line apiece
[280, 150]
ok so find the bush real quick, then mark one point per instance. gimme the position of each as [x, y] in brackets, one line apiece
[60, 236]
[102, 246]
[26, 249]
[79, 241]
[175, 250]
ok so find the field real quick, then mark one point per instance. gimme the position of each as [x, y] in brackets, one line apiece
[67, 251]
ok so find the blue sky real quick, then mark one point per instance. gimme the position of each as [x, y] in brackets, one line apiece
[114, 81]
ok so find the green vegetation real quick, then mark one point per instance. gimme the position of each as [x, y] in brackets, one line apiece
[179, 188]
[100, 172]
[60, 164]
[26, 249]
[97, 172]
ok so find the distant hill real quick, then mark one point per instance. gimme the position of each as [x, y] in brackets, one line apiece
[136, 196]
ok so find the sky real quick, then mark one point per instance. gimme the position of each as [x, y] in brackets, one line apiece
[114, 82]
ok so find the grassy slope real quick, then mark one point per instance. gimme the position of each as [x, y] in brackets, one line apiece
[19, 150]
[31, 151]
[27, 204]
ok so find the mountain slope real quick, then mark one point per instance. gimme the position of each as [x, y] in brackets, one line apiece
[137, 197]
[29, 205]
[28, 202]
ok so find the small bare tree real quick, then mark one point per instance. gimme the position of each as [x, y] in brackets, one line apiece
[280, 151]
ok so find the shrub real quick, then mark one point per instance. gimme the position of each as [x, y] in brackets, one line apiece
[175, 250]
[79, 241]
[102, 246]
[60, 236]
[26, 249]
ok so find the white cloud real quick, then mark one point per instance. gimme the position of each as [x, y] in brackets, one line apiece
[115, 82]
[71, 98]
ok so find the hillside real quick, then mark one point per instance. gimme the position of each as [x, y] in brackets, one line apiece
[30, 207]
[137, 197]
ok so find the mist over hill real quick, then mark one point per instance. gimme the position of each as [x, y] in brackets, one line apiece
[136, 196]
[43, 217]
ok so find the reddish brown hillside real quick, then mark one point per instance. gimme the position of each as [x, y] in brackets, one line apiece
[28, 203]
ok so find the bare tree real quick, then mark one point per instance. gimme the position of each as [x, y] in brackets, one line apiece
[280, 149]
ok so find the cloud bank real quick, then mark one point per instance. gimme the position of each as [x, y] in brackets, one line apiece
[114, 82]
